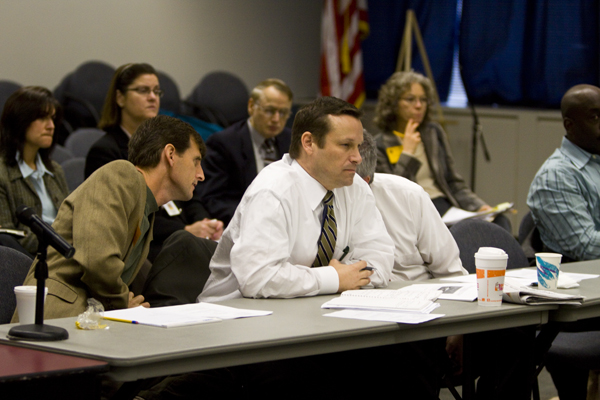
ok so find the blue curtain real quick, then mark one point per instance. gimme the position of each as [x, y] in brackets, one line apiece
[436, 21]
[528, 52]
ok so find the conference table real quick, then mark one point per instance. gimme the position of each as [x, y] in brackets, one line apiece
[296, 328]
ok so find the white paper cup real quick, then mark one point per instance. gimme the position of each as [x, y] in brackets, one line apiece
[26, 303]
[548, 267]
[490, 264]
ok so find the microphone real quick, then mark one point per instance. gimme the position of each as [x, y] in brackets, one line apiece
[44, 232]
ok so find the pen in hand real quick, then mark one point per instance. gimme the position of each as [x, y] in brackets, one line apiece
[345, 252]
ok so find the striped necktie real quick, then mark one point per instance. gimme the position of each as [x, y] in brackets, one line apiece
[328, 237]
[268, 151]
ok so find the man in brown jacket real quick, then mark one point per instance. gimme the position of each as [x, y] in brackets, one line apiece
[109, 218]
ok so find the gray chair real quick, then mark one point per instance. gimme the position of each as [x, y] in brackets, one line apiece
[220, 98]
[82, 93]
[74, 172]
[80, 141]
[569, 360]
[471, 234]
[14, 267]
[529, 238]
[171, 101]
[60, 154]
[6, 89]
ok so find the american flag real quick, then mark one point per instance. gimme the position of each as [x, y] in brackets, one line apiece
[344, 24]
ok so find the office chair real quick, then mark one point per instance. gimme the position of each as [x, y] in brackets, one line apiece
[74, 172]
[569, 360]
[471, 234]
[220, 98]
[6, 89]
[14, 267]
[80, 141]
[82, 94]
[171, 100]
[60, 154]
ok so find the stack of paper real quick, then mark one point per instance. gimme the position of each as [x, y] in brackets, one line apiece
[399, 300]
[454, 215]
[412, 304]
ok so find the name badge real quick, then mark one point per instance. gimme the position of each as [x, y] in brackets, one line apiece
[172, 209]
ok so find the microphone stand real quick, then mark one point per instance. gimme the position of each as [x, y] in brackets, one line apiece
[39, 331]
[477, 134]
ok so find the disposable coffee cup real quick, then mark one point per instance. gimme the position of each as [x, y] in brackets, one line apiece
[490, 264]
[26, 303]
[548, 267]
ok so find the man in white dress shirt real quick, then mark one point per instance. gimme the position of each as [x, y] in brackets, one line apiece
[269, 249]
[299, 219]
[423, 245]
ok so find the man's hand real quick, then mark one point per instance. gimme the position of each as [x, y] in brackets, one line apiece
[412, 137]
[207, 228]
[137, 301]
[351, 276]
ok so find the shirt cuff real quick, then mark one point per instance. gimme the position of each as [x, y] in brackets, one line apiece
[328, 279]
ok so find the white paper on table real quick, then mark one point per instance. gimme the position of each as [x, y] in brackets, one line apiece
[457, 291]
[399, 317]
[414, 298]
[182, 315]
[462, 278]
[566, 280]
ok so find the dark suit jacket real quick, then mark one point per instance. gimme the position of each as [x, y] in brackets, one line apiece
[110, 147]
[114, 146]
[440, 160]
[230, 167]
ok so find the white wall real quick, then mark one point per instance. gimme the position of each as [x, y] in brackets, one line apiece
[43, 40]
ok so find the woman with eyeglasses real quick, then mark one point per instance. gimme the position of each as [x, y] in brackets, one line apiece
[416, 148]
[27, 175]
[133, 97]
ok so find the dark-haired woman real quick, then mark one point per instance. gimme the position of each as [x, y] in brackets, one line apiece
[27, 175]
[133, 97]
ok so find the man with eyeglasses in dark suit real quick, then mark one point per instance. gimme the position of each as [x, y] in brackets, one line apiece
[237, 154]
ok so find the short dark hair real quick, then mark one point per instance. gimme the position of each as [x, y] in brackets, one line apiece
[123, 77]
[271, 82]
[368, 153]
[314, 118]
[22, 108]
[151, 137]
